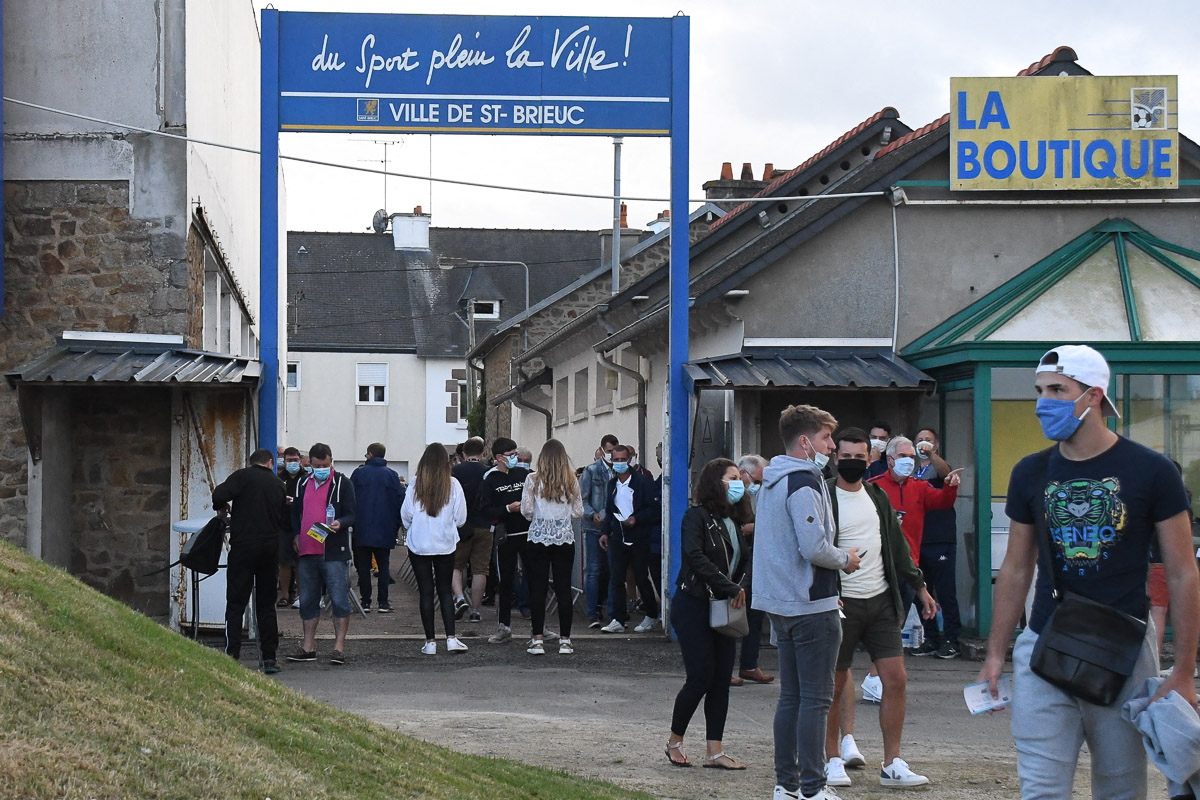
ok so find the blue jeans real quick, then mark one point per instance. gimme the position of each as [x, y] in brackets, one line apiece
[597, 561]
[808, 647]
[316, 576]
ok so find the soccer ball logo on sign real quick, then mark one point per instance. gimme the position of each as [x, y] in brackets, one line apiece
[1148, 109]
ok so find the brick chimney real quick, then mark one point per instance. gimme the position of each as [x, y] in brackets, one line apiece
[726, 186]
[661, 222]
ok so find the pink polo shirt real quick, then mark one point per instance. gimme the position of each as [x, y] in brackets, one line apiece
[316, 498]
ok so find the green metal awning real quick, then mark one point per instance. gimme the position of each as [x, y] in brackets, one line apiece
[1115, 284]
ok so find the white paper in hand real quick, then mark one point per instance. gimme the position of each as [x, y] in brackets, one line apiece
[979, 698]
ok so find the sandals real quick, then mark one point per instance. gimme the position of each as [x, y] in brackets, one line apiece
[683, 761]
[715, 762]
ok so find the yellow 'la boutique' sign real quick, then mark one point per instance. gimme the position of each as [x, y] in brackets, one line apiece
[1077, 132]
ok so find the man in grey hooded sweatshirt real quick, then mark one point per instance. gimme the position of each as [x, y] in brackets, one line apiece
[795, 582]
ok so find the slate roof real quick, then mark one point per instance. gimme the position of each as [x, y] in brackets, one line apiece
[356, 292]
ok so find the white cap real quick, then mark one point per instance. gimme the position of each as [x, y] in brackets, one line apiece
[1084, 364]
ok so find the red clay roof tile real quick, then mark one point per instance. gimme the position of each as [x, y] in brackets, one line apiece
[783, 178]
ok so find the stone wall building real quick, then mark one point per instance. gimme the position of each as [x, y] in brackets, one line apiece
[121, 249]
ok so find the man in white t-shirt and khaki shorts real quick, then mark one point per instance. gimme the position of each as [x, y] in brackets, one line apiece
[871, 605]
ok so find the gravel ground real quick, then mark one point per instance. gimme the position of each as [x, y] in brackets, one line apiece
[604, 712]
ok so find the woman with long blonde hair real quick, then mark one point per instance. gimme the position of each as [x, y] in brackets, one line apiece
[434, 508]
[550, 500]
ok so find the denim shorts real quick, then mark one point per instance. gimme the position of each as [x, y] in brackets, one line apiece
[317, 576]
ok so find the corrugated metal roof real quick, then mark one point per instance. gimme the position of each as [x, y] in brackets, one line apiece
[818, 369]
[119, 362]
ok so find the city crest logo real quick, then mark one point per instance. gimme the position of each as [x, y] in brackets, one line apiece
[368, 109]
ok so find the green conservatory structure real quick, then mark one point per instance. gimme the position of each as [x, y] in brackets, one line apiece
[1130, 294]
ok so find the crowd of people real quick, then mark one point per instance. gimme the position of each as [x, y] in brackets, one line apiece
[836, 542]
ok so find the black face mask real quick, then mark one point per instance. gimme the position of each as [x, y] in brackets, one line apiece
[851, 470]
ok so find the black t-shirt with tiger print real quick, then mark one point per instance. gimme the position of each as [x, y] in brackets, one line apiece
[1101, 515]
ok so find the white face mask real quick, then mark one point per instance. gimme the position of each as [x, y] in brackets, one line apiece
[904, 466]
[820, 459]
[878, 444]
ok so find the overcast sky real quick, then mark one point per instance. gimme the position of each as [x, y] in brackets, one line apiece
[770, 82]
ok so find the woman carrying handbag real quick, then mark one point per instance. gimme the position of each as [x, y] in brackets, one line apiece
[716, 566]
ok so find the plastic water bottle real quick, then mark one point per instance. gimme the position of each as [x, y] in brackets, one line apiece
[939, 618]
[329, 514]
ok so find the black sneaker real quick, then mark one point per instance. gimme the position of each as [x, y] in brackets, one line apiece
[594, 622]
[385, 609]
[948, 650]
[460, 607]
[475, 617]
[337, 658]
[303, 655]
[489, 600]
[366, 607]
[926, 649]
[270, 666]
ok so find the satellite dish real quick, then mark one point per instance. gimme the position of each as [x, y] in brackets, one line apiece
[379, 221]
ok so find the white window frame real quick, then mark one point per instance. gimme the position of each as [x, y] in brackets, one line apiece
[494, 314]
[358, 384]
[287, 374]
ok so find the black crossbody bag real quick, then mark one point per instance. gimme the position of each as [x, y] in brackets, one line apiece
[1086, 648]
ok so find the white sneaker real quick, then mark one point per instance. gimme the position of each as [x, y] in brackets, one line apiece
[872, 688]
[615, 626]
[850, 753]
[565, 648]
[502, 634]
[835, 773]
[429, 648]
[646, 624]
[783, 794]
[897, 774]
[825, 794]
[536, 648]
[453, 645]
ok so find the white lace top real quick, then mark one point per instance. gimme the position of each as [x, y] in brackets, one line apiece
[549, 520]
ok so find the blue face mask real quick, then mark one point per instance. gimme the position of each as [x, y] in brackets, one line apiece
[279, 463]
[511, 461]
[735, 490]
[754, 487]
[905, 466]
[1058, 419]
[620, 467]
[308, 470]
[293, 467]
[321, 473]
[820, 459]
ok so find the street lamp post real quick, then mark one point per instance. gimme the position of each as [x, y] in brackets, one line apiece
[448, 263]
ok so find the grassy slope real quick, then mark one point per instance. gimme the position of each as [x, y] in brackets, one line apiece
[97, 701]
